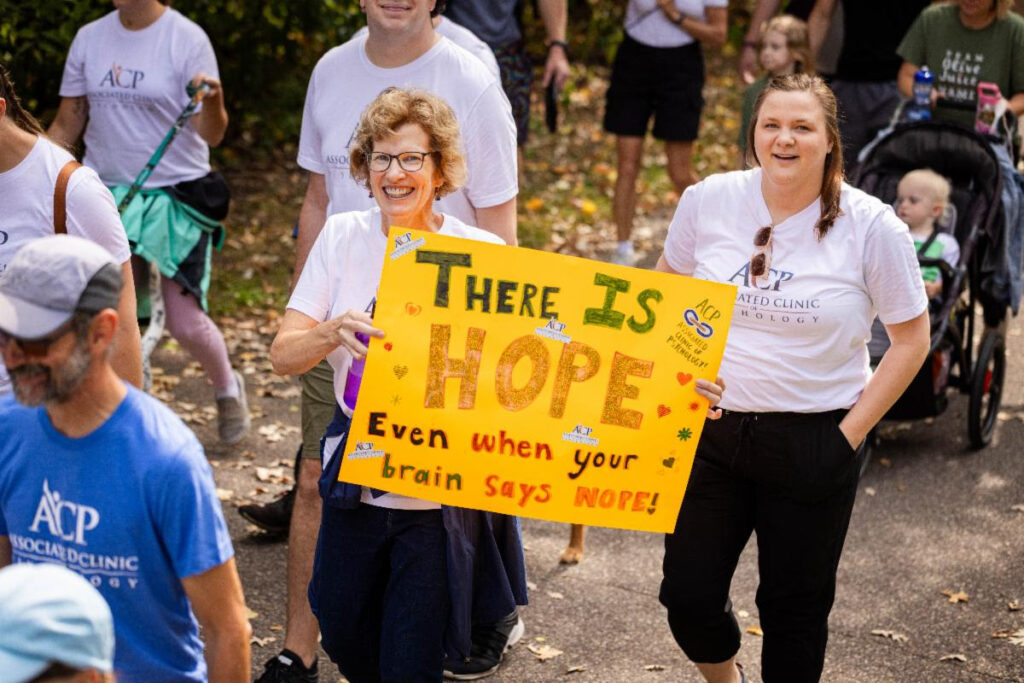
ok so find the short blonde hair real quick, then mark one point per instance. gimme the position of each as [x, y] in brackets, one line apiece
[394, 108]
[938, 187]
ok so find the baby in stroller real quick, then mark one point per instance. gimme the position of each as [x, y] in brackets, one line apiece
[922, 199]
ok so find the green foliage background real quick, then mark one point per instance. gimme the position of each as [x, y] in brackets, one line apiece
[266, 50]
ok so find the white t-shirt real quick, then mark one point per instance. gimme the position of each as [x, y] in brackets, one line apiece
[135, 83]
[647, 24]
[464, 38]
[345, 81]
[798, 340]
[342, 273]
[26, 195]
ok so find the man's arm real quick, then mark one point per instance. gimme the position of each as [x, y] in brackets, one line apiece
[5, 551]
[500, 219]
[127, 356]
[818, 24]
[553, 13]
[311, 221]
[763, 11]
[69, 123]
[217, 601]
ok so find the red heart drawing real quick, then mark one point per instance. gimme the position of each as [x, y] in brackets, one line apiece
[387, 346]
[663, 410]
[683, 378]
[413, 309]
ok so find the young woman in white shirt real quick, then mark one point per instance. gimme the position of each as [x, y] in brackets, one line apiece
[124, 85]
[29, 167]
[814, 260]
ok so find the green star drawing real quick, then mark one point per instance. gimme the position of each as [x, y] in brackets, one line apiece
[684, 434]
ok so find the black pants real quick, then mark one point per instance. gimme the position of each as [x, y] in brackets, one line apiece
[791, 478]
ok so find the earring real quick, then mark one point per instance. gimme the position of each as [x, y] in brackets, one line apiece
[370, 194]
[437, 194]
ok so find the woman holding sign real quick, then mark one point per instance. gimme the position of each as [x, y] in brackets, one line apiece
[384, 562]
[814, 260]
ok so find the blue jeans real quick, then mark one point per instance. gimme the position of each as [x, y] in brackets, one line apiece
[380, 592]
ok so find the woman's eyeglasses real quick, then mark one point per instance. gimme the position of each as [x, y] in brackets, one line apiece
[36, 347]
[761, 260]
[409, 161]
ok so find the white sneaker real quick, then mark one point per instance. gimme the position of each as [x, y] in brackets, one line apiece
[625, 258]
[233, 414]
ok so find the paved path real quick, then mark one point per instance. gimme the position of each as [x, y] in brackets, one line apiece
[930, 516]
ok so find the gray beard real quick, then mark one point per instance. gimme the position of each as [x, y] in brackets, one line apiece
[61, 384]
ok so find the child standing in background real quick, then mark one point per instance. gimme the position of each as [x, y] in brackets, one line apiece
[785, 48]
[922, 197]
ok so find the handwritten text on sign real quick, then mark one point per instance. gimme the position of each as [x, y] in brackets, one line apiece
[535, 384]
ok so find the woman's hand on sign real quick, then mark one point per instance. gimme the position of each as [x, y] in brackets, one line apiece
[712, 391]
[341, 331]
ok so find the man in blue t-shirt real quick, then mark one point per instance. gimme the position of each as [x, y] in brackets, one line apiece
[101, 478]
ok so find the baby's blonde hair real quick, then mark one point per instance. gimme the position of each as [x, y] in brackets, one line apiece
[938, 187]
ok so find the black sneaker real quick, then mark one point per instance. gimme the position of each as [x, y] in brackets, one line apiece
[274, 517]
[489, 644]
[287, 667]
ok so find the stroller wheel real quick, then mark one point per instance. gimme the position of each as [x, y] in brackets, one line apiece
[986, 389]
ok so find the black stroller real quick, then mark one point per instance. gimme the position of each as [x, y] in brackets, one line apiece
[955, 359]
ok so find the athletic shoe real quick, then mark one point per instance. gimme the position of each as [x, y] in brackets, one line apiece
[287, 667]
[233, 414]
[489, 644]
[274, 517]
[625, 258]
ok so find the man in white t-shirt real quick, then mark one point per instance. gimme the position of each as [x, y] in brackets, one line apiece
[401, 48]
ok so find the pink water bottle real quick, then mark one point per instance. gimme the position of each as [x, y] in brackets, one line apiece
[355, 370]
[990, 108]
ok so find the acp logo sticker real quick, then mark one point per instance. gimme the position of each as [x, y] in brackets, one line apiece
[554, 330]
[703, 327]
[365, 449]
[405, 243]
[580, 434]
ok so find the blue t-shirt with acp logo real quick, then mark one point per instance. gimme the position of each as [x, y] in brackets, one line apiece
[132, 508]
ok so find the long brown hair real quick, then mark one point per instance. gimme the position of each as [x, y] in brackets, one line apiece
[832, 180]
[15, 110]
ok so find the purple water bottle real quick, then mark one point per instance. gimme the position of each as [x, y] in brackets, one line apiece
[355, 370]
[921, 104]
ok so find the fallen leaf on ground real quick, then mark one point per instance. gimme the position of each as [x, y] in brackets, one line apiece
[869, 491]
[755, 631]
[743, 614]
[891, 635]
[225, 494]
[953, 658]
[277, 627]
[531, 585]
[575, 670]
[260, 642]
[556, 595]
[250, 614]
[1017, 638]
[654, 667]
[543, 652]
[270, 474]
[1014, 606]
[1017, 508]
[885, 462]
[956, 597]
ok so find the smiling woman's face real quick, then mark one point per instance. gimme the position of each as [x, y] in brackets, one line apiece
[791, 139]
[976, 9]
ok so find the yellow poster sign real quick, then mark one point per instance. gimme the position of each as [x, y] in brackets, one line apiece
[535, 384]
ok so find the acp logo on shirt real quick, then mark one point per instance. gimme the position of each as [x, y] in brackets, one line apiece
[66, 520]
[119, 77]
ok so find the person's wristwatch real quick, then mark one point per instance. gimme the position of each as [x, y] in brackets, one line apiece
[559, 43]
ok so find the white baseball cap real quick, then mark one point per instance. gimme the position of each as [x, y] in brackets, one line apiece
[51, 278]
[50, 614]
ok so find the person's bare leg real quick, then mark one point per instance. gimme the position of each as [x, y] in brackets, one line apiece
[629, 151]
[574, 552]
[301, 628]
[722, 672]
[680, 165]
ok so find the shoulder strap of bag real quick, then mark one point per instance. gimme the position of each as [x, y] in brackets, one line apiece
[60, 197]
